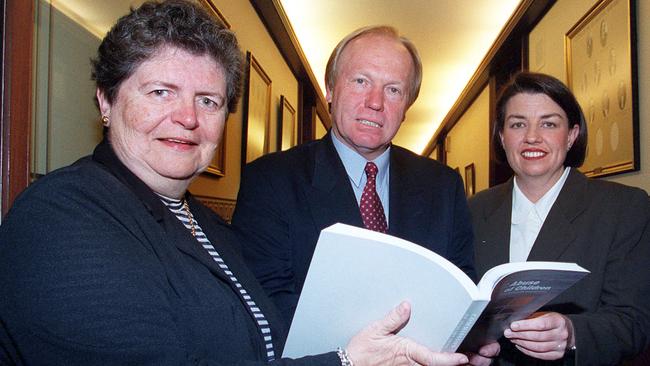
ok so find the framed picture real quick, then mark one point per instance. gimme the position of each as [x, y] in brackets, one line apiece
[257, 111]
[601, 72]
[469, 180]
[217, 166]
[215, 11]
[287, 126]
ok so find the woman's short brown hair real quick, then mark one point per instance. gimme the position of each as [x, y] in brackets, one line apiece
[535, 83]
[138, 35]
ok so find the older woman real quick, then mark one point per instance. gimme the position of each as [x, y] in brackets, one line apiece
[550, 211]
[111, 261]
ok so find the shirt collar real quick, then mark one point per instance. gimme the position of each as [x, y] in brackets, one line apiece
[355, 164]
[521, 205]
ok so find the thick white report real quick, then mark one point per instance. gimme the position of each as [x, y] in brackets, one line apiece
[357, 276]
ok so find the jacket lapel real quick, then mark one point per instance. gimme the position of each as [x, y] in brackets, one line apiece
[558, 231]
[173, 231]
[406, 194]
[226, 244]
[493, 246]
[186, 243]
[330, 196]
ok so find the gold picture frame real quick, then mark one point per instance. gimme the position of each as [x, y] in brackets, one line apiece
[601, 71]
[215, 11]
[470, 184]
[287, 126]
[257, 111]
[217, 166]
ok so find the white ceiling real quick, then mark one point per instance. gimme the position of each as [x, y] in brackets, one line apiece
[452, 36]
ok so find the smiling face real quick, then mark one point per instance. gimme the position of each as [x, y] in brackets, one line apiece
[370, 93]
[536, 138]
[168, 118]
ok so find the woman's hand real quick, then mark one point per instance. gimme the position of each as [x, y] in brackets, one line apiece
[484, 355]
[545, 335]
[378, 344]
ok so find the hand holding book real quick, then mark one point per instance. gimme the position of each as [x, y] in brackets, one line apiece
[544, 335]
[378, 344]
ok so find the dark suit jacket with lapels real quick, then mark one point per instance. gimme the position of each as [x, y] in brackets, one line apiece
[605, 228]
[287, 198]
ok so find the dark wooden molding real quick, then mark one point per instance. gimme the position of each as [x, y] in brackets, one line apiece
[499, 171]
[277, 24]
[525, 17]
[15, 120]
[223, 207]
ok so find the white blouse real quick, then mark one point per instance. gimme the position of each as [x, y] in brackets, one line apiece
[528, 218]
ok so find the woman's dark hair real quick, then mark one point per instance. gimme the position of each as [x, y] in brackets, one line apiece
[535, 83]
[140, 34]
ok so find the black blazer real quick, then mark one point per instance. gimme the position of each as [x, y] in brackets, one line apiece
[287, 198]
[97, 271]
[605, 228]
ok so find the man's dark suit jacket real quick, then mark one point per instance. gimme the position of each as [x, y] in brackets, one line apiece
[97, 271]
[605, 228]
[287, 198]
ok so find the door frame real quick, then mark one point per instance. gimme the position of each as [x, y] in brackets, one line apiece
[16, 98]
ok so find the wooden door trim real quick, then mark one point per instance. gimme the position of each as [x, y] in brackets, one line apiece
[16, 99]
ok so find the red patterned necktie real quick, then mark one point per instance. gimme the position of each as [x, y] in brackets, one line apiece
[372, 212]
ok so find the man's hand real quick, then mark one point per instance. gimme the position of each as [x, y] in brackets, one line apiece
[484, 355]
[545, 336]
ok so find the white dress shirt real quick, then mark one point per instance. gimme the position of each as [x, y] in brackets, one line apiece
[528, 218]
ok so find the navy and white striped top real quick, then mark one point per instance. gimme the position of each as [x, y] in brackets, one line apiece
[176, 207]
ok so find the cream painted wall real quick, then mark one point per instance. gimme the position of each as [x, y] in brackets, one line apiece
[253, 37]
[434, 153]
[470, 141]
[320, 128]
[548, 39]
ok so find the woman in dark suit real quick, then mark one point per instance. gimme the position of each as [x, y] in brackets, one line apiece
[111, 262]
[550, 211]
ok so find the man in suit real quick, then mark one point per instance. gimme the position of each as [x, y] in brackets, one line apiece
[287, 198]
